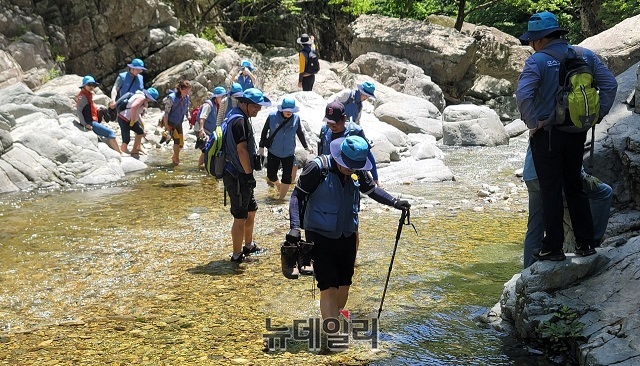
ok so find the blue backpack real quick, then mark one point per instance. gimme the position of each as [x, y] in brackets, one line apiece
[214, 158]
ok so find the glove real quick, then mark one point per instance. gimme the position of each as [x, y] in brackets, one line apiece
[293, 236]
[401, 204]
[247, 179]
[261, 151]
[590, 182]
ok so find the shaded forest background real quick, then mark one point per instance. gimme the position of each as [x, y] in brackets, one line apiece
[268, 23]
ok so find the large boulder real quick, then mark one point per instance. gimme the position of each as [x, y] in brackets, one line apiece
[443, 53]
[10, 70]
[619, 47]
[470, 125]
[400, 75]
[410, 114]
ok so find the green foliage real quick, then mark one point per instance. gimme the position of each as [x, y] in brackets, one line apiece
[60, 59]
[291, 6]
[355, 7]
[614, 11]
[562, 329]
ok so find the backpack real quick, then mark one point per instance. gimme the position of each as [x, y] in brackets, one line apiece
[322, 161]
[214, 159]
[194, 116]
[577, 100]
[312, 65]
[121, 103]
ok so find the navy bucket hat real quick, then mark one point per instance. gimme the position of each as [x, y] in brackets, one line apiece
[541, 25]
[351, 152]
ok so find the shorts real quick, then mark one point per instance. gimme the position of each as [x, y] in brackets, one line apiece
[177, 134]
[240, 196]
[273, 164]
[333, 259]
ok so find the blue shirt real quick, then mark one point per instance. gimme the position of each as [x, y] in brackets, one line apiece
[538, 84]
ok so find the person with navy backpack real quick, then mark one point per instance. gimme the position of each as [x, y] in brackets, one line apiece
[129, 81]
[175, 110]
[206, 120]
[279, 137]
[240, 152]
[245, 76]
[557, 153]
[308, 63]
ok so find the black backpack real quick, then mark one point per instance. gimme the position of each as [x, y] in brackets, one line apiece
[121, 103]
[312, 65]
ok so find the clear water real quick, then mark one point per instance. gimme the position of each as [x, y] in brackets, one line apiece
[103, 250]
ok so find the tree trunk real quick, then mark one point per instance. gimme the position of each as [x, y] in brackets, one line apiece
[590, 24]
[461, 15]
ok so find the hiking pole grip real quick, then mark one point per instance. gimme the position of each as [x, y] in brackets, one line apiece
[403, 216]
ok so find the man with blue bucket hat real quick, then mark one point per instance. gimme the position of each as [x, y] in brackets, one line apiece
[240, 152]
[127, 81]
[557, 153]
[279, 137]
[331, 186]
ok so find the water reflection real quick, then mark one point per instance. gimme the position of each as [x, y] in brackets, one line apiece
[142, 247]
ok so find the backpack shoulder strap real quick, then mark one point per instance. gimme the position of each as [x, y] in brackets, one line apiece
[557, 55]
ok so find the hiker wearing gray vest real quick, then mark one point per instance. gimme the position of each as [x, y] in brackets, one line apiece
[557, 154]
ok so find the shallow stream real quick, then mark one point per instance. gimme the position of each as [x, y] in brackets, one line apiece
[139, 272]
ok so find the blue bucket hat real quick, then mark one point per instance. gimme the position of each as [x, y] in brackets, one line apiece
[219, 91]
[151, 93]
[367, 88]
[247, 64]
[541, 25]
[235, 90]
[137, 63]
[88, 80]
[351, 152]
[288, 105]
[254, 96]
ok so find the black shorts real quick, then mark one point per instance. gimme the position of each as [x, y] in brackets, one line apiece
[177, 134]
[333, 259]
[240, 196]
[273, 164]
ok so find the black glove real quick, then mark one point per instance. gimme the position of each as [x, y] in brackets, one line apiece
[293, 236]
[247, 179]
[401, 204]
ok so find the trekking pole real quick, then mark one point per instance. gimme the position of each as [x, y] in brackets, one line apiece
[404, 220]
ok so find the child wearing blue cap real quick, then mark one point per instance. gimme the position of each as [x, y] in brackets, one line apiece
[245, 76]
[206, 120]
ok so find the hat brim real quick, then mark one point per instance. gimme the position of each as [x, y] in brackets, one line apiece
[531, 36]
[299, 41]
[132, 66]
[90, 84]
[329, 120]
[292, 110]
[266, 102]
[369, 95]
[220, 95]
[337, 155]
[146, 94]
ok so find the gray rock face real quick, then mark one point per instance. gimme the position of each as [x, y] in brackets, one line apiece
[601, 289]
[400, 75]
[42, 146]
[470, 125]
[443, 53]
[619, 47]
[410, 114]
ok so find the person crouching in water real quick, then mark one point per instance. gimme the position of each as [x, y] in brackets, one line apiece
[279, 137]
[90, 115]
[332, 185]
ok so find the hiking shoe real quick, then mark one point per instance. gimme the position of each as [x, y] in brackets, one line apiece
[289, 260]
[305, 264]
[586, 251]
[240, 259]
[254, 250]
[549, 255]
